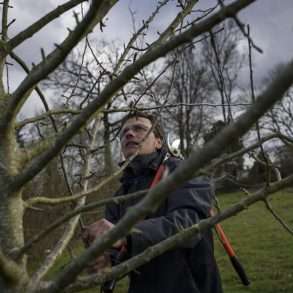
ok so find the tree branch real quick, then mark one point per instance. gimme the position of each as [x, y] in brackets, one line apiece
[77, 211]
[116, 84]
[45, 115]
[238, 153]
[41, 23]
[177, 20]
[137, 34]
[4, 19]
[10, 271]
[278, 218]
[71, 226]
[96, 12]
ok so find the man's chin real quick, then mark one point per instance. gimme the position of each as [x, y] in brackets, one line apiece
[130, 153]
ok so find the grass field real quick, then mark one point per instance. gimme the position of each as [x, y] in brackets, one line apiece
[261, 243]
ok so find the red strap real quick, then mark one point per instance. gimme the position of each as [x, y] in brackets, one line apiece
[158, 175]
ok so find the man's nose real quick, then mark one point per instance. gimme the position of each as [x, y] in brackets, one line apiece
[129, 134]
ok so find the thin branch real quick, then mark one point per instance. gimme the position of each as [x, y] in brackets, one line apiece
[4, 19]
[41, 23]
[220, 80]
[278, 218]
[177, 20]
[137, 34]
[48, 113]
[251, 76]
[45, 115]
[116, 84]
[71, 226]
[96, 12]
[10, 271]
[247, 35]
[77, 211]
[229, 157]
[72, 198]
[127, 109]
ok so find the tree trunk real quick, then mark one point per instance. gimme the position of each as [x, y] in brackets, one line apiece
[11, 236]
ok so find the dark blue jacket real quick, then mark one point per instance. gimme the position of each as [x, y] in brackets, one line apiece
[190, 268]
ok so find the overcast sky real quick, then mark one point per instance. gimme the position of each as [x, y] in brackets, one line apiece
[271, 25]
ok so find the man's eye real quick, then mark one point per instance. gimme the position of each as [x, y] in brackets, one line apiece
[139, 128]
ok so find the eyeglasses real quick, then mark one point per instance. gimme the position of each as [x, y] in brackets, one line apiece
[137, 128]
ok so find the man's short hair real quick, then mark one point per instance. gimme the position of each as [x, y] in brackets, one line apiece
[157, 128]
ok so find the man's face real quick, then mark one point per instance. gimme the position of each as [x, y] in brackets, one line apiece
[133, 133]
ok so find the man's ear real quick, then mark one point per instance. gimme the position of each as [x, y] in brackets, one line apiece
[159, 143]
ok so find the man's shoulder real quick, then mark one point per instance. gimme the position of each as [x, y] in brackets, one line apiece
[173, 162]
[198, 181]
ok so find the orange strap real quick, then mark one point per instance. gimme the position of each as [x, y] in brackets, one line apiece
[158, 176]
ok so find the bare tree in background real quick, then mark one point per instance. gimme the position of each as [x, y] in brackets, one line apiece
[224, 61]
[19, 164]
[190, 88]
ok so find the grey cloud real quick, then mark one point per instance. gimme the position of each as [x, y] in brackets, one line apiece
[270, 21]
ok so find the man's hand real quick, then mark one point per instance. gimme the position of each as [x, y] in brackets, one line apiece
[97, 229]
[93, 231]
[100, 263]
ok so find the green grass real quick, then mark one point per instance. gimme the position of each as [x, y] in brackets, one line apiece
[261, 243]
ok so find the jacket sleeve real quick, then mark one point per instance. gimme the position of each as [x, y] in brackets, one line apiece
[112, 211]
[185, 207]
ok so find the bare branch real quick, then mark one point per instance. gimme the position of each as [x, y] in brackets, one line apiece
[238, 153]
[77, 211]
[74, 197]
[9, 270]
[164, 106]
[4, 19]
[41, 23]
[137, 34]
[71, 226]
[278, 218]
[177, 20]
[45, 115]
[120, 81]
[96, 12]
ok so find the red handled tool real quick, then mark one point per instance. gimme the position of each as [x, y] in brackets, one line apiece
[231, 253]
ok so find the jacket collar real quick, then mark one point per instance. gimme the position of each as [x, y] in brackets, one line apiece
[142, 162]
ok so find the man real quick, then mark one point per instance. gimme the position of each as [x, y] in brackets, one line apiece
[190, 268]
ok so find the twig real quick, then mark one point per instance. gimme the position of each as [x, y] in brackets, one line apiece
[96, 11]
[41, 23]
[4, 19]
[277, 217]
[77, 211]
